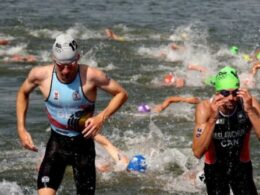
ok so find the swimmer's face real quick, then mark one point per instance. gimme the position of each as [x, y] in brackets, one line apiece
[230, 98]
[67, 71]
[108, 32]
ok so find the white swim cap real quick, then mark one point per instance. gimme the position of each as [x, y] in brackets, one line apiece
[65, 49]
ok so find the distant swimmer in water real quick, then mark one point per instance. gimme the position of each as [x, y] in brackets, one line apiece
[136, 164]
[171, 80]
[255, 67]
[70, 91]
[256, 55]
[175, 99]
[173, 52]
[175, 46]
[113, 151]
[111, 35]
[122, 163]
[223, 125]
[196, 67]
[21, 58]
[256, 61]
[4, 42]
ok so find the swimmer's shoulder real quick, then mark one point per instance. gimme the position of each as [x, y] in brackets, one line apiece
[41, 72]
[204, 104]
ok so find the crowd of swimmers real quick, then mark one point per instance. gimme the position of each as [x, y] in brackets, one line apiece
[227, 86]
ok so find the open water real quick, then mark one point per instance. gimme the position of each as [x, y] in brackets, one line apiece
[206, 28]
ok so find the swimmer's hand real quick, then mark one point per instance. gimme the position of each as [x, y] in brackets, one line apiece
[103, 168]
[215, 104]
[122, 159]
[27, 142]
[246, 98]
[92, 126]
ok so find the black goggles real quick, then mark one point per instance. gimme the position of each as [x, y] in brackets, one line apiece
[226, 93]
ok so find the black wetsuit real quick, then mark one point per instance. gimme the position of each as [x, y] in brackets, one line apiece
[224, 168]
[75, 151]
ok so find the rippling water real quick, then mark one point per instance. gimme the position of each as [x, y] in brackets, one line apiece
[206, 28]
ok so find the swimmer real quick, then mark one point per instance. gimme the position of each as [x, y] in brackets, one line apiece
[171, 80]
[111, 35]
[22, 58]
[118, 157]
[255, 67]
[256, 55]
[196, 67]
[256, 61]
[175, 99]
[174, 46]
[172, 52]
[223, 125]
[4, 42]
[136, 164]
[234, 50]
[69, 88]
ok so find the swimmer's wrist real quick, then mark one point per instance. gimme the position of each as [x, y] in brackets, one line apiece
[104, 116]
[213, 119]
[251, 112]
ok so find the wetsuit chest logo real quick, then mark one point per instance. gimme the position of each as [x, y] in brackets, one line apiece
[241, 117]
[76, 96]
[56, 95]
[220, 121]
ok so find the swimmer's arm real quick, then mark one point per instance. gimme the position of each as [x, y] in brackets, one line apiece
[191, 100]
[255, 67]
[175, 99]
[117, 37]
[166, 103]
[254, 116]
[203, 130]
[119, 96]
[197, 68]
[22, 101]
[110, 148]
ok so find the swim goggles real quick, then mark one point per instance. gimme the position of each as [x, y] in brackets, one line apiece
[226, 93]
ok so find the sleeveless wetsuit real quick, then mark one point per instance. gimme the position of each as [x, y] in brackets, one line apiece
[227, 161]
[65, 106]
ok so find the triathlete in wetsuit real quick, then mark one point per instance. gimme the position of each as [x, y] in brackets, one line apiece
[222, 133]
[66, 105]
[70, 91]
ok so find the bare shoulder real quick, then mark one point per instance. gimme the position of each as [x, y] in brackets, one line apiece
[40, 73]
[204, 104]
[94, 75]
[203, 111]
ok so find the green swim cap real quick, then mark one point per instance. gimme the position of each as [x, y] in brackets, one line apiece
[234, 50]
[227, 78]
